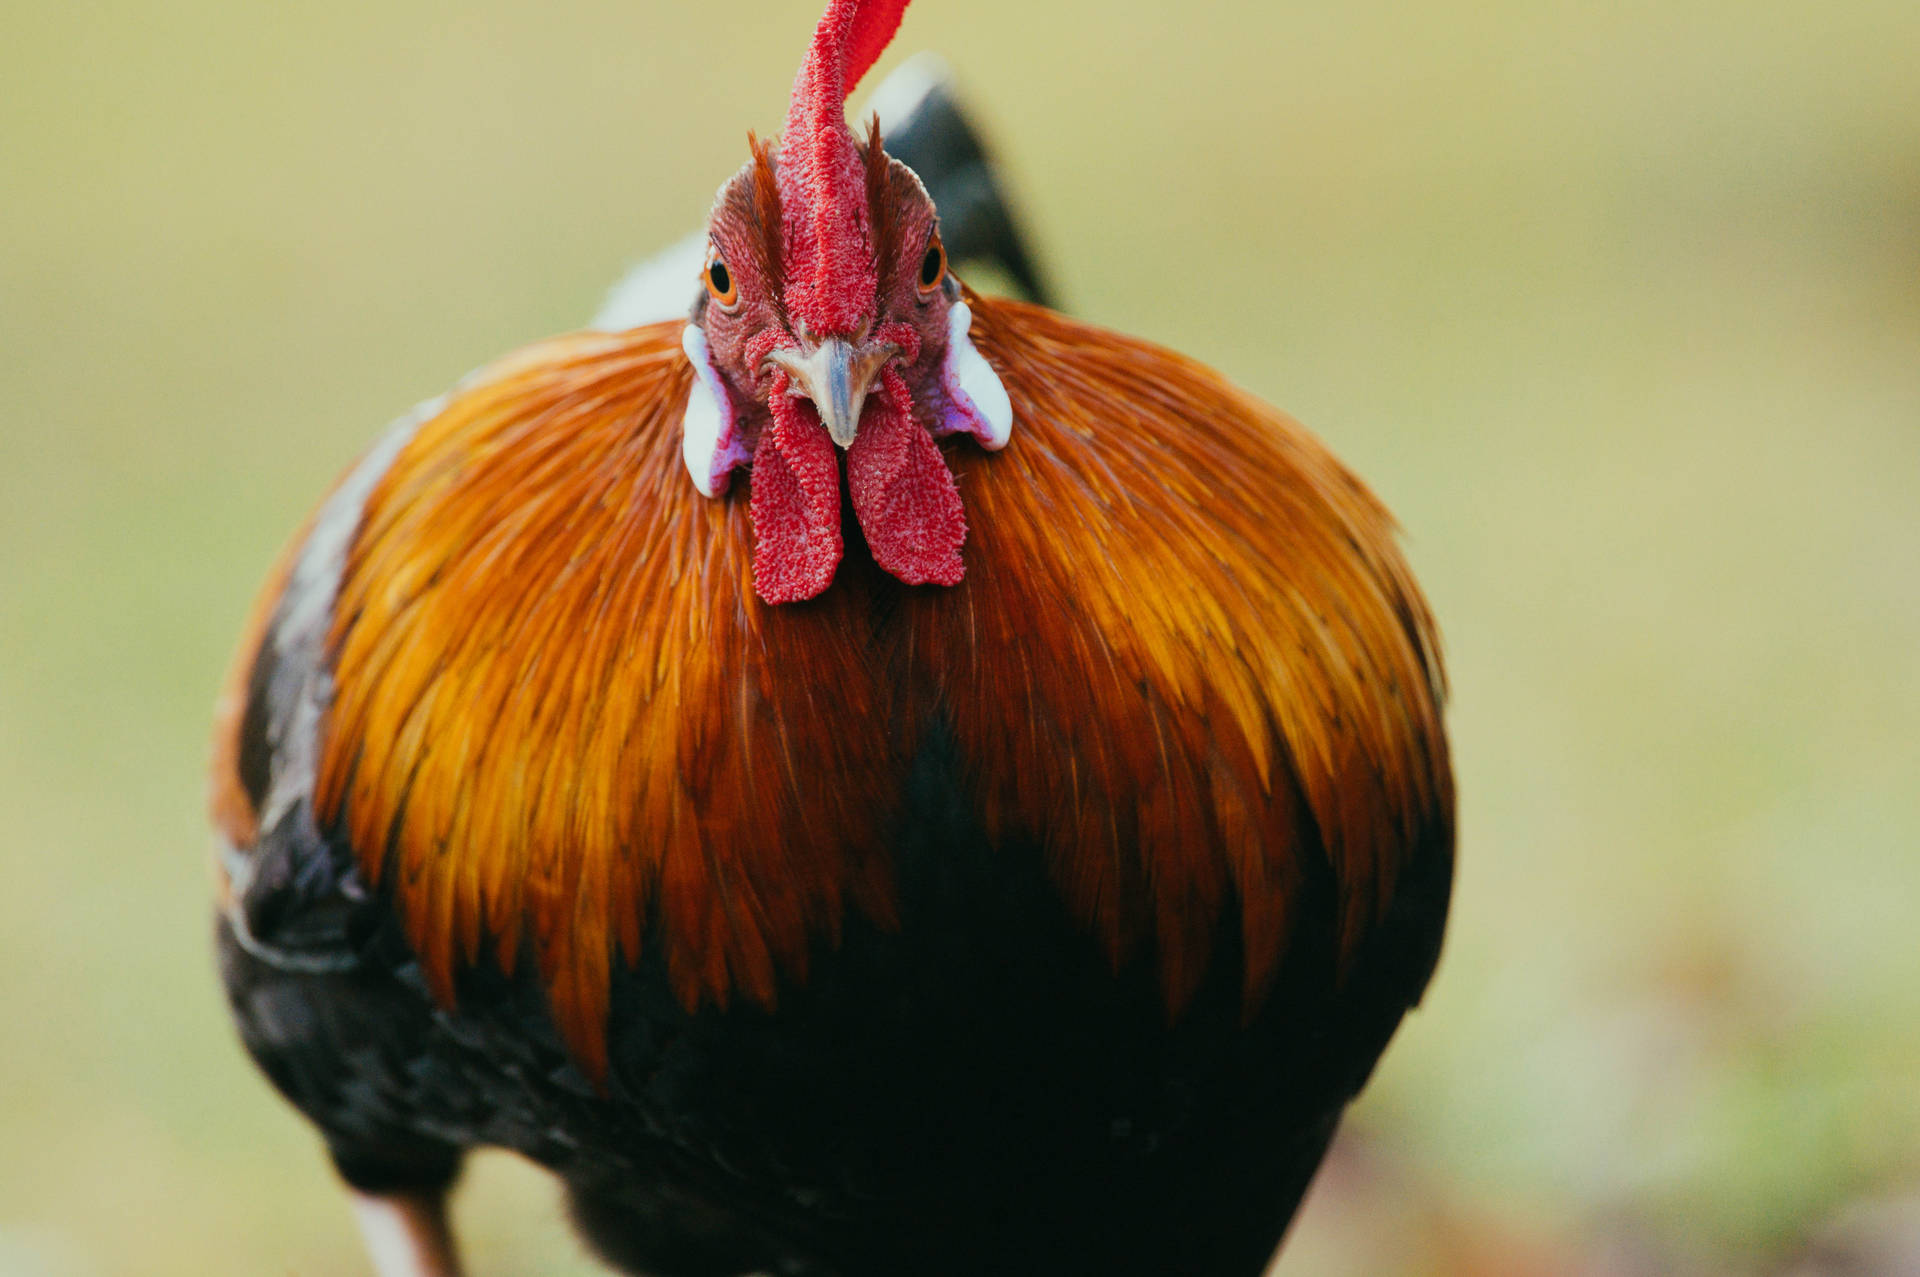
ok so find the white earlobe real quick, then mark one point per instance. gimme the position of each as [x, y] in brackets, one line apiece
[708, 441]
[979, 402]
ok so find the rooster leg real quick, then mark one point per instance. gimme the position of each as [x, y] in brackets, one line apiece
[406, 1233]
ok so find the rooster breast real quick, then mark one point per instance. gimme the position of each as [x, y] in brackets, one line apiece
[1056, 915]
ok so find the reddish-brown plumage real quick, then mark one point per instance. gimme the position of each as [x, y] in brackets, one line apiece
[1196, 645]
[1000, 837]
[559, 703]
[1185, 652]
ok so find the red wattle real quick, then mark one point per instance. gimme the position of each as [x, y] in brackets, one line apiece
[903, 493]
[796, 503]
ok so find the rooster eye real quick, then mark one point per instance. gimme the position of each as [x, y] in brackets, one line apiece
[933, 267]
[720, 280]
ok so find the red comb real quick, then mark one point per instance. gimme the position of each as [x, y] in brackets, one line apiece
[826, 239]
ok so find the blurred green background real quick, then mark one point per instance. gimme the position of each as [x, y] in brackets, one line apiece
[1618, 305]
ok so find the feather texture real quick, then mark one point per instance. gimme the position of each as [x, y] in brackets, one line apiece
[1222, 663]
[559, 706]
[1187, 662]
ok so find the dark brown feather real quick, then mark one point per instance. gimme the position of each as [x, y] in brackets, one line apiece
[1187, 647]
[548, 723]
[1187, 661]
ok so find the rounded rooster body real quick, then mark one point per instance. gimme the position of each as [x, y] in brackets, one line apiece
[1002, 838]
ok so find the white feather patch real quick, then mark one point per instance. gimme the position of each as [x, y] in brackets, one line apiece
[664, 286]
[902, 92]
[980, 403]
[708, 442]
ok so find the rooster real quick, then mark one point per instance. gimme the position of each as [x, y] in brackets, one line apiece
[868, 779]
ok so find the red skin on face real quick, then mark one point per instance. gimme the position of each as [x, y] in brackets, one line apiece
[829, 243]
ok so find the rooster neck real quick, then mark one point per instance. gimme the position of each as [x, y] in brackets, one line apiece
[558, 727]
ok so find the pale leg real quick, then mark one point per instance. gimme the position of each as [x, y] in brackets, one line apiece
[406, 1233]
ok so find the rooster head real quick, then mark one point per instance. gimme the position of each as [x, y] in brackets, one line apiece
[830, 327]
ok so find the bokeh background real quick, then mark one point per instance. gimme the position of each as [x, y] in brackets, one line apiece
[1617, 304]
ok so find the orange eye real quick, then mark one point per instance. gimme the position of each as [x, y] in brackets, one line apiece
[933, 266]
[720, 282]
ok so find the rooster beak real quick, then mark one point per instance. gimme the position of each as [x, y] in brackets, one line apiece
[836, 375]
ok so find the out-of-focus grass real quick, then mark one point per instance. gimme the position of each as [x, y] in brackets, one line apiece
[1617, 305]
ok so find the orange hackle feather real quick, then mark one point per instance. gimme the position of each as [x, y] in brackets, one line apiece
[560, 711]
[1187, 661]
[1190, 648]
